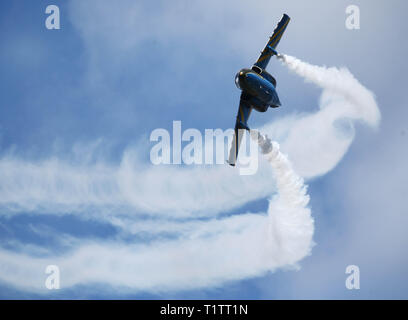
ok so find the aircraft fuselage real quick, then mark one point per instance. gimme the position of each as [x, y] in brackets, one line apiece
[260, 88]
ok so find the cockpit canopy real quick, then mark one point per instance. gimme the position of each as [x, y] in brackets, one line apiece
[257, 69]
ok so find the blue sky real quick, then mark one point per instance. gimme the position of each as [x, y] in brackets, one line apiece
[78, 105]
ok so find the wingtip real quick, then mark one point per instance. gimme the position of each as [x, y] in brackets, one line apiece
[231, 164]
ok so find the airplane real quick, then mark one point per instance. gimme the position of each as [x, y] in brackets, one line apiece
[258, 88]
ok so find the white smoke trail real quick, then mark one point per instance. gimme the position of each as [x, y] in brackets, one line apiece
[61, 187]
[205, 254]
[341, 82]
[317, 141]
[290, 221]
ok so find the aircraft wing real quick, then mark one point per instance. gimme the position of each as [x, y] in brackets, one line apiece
[270, 47]
[244, 112]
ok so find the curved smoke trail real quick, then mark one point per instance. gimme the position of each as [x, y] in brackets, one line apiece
[291, 225]
[204, 253]
[340, 81]
[208, 253]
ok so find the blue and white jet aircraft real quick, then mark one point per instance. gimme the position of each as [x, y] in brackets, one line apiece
[258, 88]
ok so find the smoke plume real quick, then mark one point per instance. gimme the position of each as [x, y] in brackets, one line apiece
[192, 253]
[341, 82]
[291, 225]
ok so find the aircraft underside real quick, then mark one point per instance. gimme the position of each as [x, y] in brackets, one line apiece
[258, 88]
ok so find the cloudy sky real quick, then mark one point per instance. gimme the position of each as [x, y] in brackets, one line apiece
[78, 190]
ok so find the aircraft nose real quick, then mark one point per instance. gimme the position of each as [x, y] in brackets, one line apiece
[240, 79]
